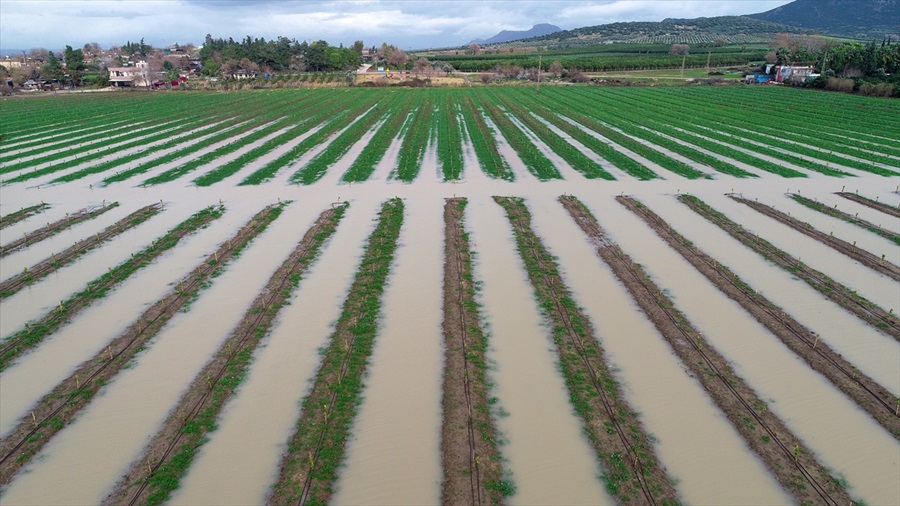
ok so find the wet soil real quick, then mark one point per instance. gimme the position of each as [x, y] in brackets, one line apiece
[157, 472]
[48, 265]
[880, 206]
[469, 450]
[21, 214]
[860, 255]
[53, 228]
[789, 460]
[863, 390]
[59, 407]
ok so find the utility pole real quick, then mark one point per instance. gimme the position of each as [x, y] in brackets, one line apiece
[683, 59]
[708, 55]
[540, 58]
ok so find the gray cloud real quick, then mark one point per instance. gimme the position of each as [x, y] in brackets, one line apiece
[55, 23]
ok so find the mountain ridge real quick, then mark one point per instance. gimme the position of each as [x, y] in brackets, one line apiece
[537, 30]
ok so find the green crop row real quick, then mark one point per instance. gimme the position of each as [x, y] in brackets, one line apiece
[364, 164]
[531, 156]
[483, 143]
[409, 161]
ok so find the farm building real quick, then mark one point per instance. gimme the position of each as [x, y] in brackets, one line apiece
[138, 75]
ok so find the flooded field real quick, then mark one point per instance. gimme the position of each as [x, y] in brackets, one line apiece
[391, 447]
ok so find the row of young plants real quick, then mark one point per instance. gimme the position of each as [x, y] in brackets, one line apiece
[483, 143]
[415, 141]
[300, 114]
[868, 394]
[592, 118]
[35, 331]
[532, 157]
[54, 228]
[789, 460]
[22, 214]
[855, 220]
[621, 443]
[842, 112]
[602, 149]
[175, 446]
[43, 146]
[316, 448]
[850, 250]
[45, 267]
[341, 144]
[568, 152]
[449, 138]
[65, 401]
[475, 475]
[351, 106]
[159, 121]
[891, 210]
[718, 124]
[841, 294]
[392, 128]
[674, 114]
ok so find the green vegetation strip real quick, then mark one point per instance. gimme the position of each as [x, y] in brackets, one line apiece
[786, 456]
[35, 331]
[60, 407]
[858, 386]
[484, 144]
[531, 156]
[364, 164]
[316, 449]
[473, 472]
[874, 204]
[26, 212]
[851, 250]
[409, 161]
[449, 140]
[837, 292]
[56, 261]
[172, 451]
[54, 228]
[633, 473]
[833, 212]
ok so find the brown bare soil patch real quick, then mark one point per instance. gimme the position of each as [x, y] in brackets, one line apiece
[471, 457]
[789, 460]
[860, 255]
[863, 390]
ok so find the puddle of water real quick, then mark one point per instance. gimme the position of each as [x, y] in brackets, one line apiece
[84, 461]
[240, 463]
[393, 456]
[548, 467]
[706, 456]
[37, 372]
[813, 409]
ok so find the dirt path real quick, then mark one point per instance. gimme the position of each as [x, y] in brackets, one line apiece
[633, 474]
[840, 294]
[58, 408]
[789, 460]
[831, 211]
[316, 449]
[851, 250]
[35, 331]
[54, 228]
[865, 392]
[17, 216]
[885, 208]
[48, 265]
[157, 472]
[470, 454]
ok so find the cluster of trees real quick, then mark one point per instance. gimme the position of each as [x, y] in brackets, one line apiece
[282, 54]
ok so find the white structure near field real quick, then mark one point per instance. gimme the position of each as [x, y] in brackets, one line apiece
[138, 75]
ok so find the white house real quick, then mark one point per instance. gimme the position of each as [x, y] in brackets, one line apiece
[138, 75]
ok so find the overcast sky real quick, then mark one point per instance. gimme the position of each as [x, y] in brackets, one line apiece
[52, 24]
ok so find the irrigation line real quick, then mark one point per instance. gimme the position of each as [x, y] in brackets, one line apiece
[594, 231]
[55, 262]
[21, 214]
[54, 228]
[837, 292]
[269, 297]
[789, 324]
[874, 204]
[554, 290]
